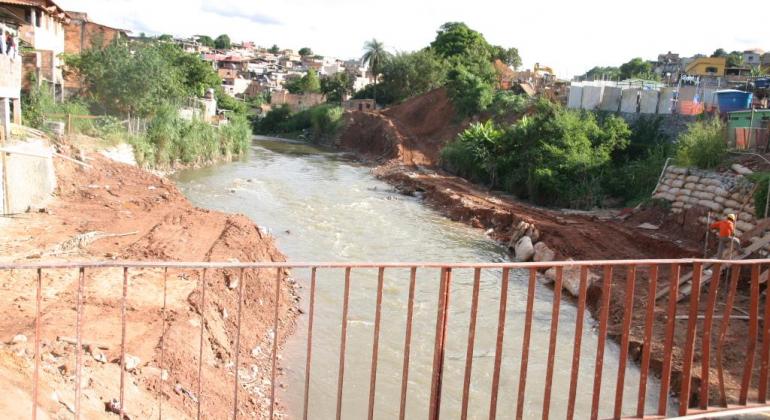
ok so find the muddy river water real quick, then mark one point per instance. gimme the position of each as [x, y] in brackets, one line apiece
[323, 206]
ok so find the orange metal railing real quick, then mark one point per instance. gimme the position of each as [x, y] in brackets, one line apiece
[707, 290]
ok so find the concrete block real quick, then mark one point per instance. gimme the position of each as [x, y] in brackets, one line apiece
[592, 97]
[629, 100]
[611, 99]
[575, 97]
[31, 176]
[648, 102]
[666, 101]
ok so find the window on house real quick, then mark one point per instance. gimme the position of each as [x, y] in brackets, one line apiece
[711, 70]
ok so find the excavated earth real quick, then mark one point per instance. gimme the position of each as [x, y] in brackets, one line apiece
[155, 223]
[405, 141]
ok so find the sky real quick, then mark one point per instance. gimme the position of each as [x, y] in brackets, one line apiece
[568, 35]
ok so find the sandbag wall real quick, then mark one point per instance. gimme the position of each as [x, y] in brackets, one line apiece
[719, 193]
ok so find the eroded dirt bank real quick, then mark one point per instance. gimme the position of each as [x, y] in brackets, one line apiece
[158, 223]
[409, 161]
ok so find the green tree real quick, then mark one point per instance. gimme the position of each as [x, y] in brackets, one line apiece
[636, 68]
[310, 82]
[610, 73]
[375, 57]
[206, 40]
[305, 52]
[165, 37]
[470, 93]
[337, 86]
[509, 56]
[274, 49]
[457, 39]
[719, 52]
[735, 59]
[410, 74]
[222, 42]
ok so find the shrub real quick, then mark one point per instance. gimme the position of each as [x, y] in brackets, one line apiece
[325, 121]
[470, 93]
[702, 144]
[508, 103]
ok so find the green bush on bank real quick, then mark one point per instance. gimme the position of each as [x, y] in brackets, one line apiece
[322, 122]
[702, 145]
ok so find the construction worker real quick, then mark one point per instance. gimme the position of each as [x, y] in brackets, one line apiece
[726, 230]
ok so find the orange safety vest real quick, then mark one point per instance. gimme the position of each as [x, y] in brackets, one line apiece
[726, 228]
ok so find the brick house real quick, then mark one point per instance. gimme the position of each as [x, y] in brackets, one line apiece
[82, 34]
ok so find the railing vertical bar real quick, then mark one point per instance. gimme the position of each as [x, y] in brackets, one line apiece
[200, 343]
[692, 325]
[578, 341]
[311, 313]
[36, 377]
[603, 319]
[343, 342]
[762, 391]
[407, 343]
[668, 342]
[648, 322]
[162, 344]
[376, 342]
[552, 341]
[79, 342]
[241, 280]
[499, 344]
[628, 316]
[123, 343]
[525, 343]
[274, 356]
[752, 338]
[438, 352]
[735, 274]
[471, 343]
[706, 340]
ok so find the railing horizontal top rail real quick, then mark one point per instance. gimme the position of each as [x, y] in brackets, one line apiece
[289, 264]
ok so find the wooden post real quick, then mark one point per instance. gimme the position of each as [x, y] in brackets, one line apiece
[69, 125]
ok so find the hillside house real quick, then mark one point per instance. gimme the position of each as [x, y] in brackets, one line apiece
[753, 57]
[42, 29]
[706, 66]
[359, 105]
[82, 34]
[10, 76]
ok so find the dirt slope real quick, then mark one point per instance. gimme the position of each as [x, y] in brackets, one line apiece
[413, 132]
[162, 225]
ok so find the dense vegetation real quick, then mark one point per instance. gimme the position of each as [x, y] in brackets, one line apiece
[318, 124]
[149, 80]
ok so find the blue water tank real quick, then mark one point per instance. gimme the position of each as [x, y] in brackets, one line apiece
[733, 100]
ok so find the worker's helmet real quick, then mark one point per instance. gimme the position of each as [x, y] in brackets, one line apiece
[731, 217]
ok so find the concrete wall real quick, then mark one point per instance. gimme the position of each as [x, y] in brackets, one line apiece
[592, 97]
[648, 102]
[31, 179]
[611, 99]
[628, 101]
[575, 99]
[666, 101]
[10, 77]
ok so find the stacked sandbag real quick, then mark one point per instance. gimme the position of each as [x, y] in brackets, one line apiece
[720, 193]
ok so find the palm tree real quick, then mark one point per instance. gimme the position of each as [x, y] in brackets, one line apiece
[375, 56]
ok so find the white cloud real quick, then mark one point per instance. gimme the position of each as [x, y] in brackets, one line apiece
[568, 35]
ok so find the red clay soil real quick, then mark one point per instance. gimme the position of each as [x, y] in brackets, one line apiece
[397, 134]
[413, 132]
[161, 224]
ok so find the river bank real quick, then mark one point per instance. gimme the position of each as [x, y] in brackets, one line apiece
[155, 222]
[404, 143]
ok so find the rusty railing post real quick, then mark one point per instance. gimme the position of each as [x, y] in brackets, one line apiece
[440, 340]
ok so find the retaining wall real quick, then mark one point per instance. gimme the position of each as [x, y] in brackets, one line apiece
[31, 179]
[719, 193]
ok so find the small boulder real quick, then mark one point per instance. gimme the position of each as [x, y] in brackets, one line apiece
[543, 253]
[524, 250]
